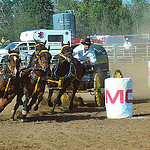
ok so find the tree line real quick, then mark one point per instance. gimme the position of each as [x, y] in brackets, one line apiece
[92, 16]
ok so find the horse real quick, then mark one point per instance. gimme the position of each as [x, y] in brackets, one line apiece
[34, 78]
[69, 71]
[9, 81]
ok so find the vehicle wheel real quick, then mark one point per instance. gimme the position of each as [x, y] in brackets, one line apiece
[99, 96]
[118, 74]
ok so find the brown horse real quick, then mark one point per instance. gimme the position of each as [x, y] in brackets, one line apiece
[34, 78]
[71, 71]
[9, 81]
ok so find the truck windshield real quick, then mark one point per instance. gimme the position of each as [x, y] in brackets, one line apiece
[11, 45]
[55, 38]
[115, 40]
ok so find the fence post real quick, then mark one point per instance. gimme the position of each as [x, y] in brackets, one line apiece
[115, 48]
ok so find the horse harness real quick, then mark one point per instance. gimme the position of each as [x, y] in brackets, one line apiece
[33, 75]
[70, 73]
[4, 74]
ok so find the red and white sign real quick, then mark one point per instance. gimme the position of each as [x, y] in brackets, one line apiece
[118, 97]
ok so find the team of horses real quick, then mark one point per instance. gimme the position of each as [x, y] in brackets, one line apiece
[31, 81]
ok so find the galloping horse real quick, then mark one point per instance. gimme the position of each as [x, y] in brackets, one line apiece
[33, 79]
[9, 81]
[70, 71]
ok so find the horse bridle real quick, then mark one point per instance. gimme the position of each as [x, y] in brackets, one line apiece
[38, 55]
[15, 54]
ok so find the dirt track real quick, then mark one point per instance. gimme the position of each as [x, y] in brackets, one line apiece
[87, 128]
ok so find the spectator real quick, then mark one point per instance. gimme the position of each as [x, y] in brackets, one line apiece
[3, 40]
[127, 47]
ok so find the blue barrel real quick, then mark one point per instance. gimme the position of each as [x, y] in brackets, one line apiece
[64, 21]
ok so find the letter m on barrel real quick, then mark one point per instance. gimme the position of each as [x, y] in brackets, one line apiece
[120, 94]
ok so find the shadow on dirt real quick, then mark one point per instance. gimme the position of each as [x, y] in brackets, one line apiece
[62, 118]
[141, 101]
[142, 115]
[66, 116]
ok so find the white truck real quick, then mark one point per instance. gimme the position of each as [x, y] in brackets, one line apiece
[53, 38]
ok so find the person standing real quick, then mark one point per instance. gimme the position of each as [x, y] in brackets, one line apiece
[127, 47]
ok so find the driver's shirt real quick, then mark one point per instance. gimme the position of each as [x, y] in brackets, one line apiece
[82, 55]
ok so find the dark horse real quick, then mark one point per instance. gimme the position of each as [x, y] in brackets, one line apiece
[69, 71]
[9, 81]
[34, 78]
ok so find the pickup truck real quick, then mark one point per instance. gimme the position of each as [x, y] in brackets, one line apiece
[27, 48]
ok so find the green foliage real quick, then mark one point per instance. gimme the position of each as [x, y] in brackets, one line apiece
[92, 16]
[22, 15]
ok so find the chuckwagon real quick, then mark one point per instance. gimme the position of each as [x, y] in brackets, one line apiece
[93, 82]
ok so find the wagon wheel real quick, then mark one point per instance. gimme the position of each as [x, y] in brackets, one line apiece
[99, 96]
[118, 74]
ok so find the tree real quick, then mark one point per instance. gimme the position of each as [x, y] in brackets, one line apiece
[25, 15]
[6, 16]
[138, 9]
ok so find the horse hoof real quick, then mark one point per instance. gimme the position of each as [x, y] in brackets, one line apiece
[21, 116]
[24, 120]
[12, 119]
[35, 108]
[50, 104]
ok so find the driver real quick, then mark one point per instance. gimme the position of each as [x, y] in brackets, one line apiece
[84, 53]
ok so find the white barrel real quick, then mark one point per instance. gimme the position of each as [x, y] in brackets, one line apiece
[118, 97]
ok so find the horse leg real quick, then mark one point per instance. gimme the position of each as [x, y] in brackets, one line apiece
[75, 87]
[24, 111]
[2, 104]
[72, 97]
[18, 102]
[50, 104]
[32, 102]
[6, 101]
[58, 100]
[40, 97]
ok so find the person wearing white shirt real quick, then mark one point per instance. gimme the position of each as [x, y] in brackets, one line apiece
[127, 47]
[84, 53]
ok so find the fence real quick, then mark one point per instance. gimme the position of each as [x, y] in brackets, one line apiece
[140, 53]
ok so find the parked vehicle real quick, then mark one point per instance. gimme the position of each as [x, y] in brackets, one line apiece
[26, 47]
[54, 38]
[111, 41]
[3, 46]
[25, 58]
